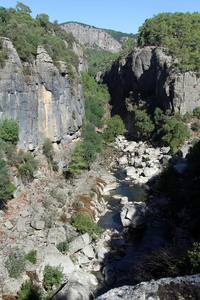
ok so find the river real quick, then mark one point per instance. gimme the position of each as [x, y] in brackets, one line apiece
[155, 235]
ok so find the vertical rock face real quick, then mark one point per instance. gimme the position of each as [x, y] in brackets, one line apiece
[90, 36]
[44, 102]
[145, 72]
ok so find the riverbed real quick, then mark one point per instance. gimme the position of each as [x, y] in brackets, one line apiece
[153, 236]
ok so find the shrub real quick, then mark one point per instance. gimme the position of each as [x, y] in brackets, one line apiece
[48, 150]
[196, 112]
[83, 223]
[15, 263]
[31, 256]
[194, 257]
[26, 171]
[164, 262]
[187, 117]
[52, 277]
[115, 128]
[29, 292]
[196, 126]
[63, 247]
[6, 187]
[9, 130]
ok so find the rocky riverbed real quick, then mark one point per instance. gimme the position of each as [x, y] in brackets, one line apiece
[39, 219]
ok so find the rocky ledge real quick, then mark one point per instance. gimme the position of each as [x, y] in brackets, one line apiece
[183, 288]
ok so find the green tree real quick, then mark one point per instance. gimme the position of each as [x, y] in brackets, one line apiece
[9, 130]
[173, 134]
[4, 15]
[143, 124]
[115, 127]
[22, 7]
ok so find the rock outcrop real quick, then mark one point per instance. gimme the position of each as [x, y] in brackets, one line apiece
[146, 72]
[187, 287]
[43, 101]
[91, 36]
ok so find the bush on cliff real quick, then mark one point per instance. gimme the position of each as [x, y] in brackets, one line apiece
[9, 130]
[28, 167]
[6, 187]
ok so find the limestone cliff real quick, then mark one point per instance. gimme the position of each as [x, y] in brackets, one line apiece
[146, 71]
[91, 36]
[43, 101]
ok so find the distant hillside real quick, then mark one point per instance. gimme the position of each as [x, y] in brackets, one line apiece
[121, 36]
[96, 38]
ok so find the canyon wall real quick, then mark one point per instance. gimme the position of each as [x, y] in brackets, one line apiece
[146, 72]
[90, 36]
[44, 101]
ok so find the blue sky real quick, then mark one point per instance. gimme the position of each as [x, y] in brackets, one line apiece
[119, 15]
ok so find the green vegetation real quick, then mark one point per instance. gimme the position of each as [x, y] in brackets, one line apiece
[194, 258]
[143, 124]
[93, 57]
[29, 291]
[83, 223]
[96, 97]
[3, 54]
[15, 263]
[178, 33]
[118, 35]
[173, 134]
[26, 33]
[9, 130]
[63, 247]
[28, 167]
[115, 126]
[50, 153]
[6, 187]
[52, 277]
[196, 112]
[31, 256]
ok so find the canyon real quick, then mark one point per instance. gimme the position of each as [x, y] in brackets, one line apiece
[48, 103]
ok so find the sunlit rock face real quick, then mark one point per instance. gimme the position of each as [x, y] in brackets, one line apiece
[44, 101]
[90, 36]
